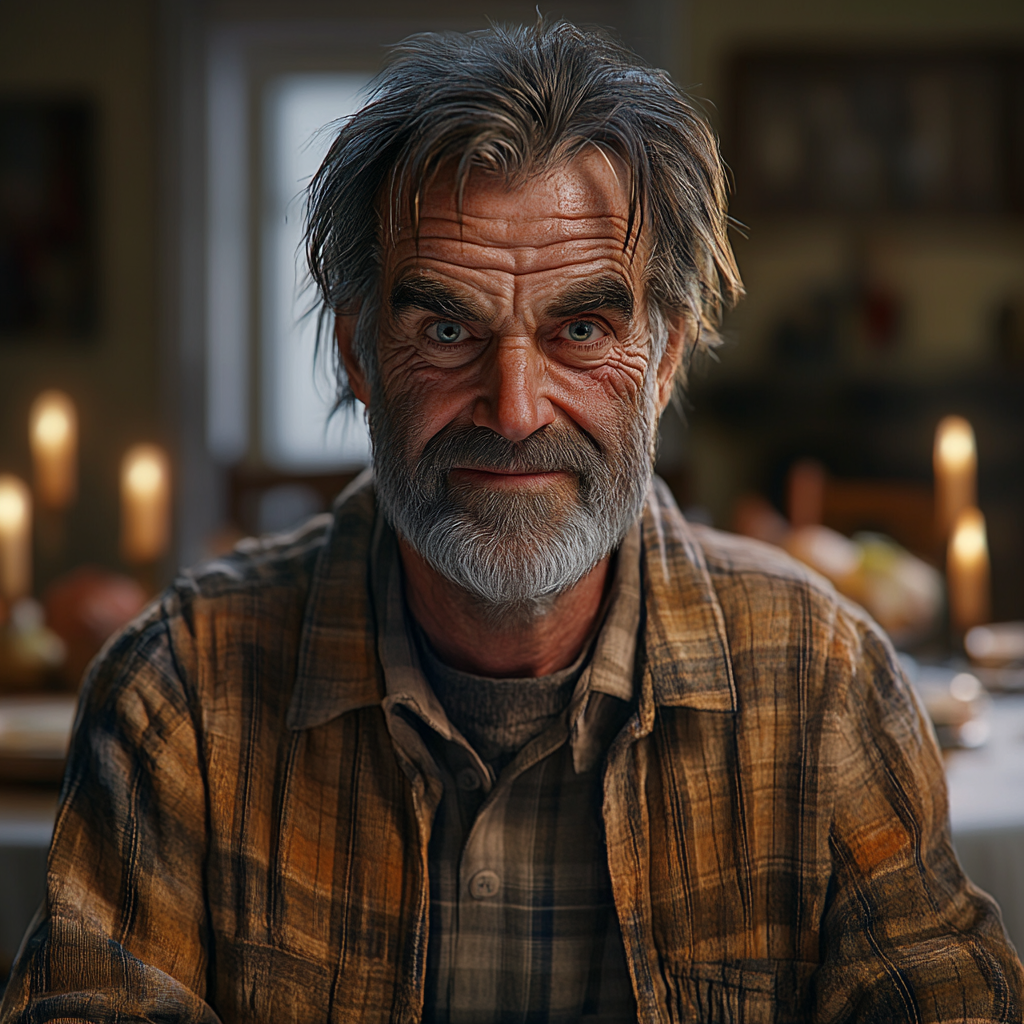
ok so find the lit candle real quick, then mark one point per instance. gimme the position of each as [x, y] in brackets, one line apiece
[967, 571]
[15, 538]
[53, 436]
[145, 504]
[956, 471]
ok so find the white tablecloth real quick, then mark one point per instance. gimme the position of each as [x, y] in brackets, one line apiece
[986, 809]
[26, 822]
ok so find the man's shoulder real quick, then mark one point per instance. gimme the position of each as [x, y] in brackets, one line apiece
[760, 579]
[258, 564]
[729, 559]
[763, 593]
[732, 555]
[258, 585]
[260, 567]
[765, 620]
[255, 595]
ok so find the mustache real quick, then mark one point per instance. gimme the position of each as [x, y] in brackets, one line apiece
[552, 449]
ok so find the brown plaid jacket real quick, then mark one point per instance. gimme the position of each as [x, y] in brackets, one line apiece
[239, 840]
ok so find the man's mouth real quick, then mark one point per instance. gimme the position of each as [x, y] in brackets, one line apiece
[500, 477]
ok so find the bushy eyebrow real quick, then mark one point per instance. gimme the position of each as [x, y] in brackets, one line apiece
[433, 297]
[593, 295]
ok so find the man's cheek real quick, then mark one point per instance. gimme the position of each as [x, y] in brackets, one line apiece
[621, 383]
[602, 399]
[399, 362]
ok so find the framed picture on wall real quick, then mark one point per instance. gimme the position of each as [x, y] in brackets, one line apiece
[48, 245]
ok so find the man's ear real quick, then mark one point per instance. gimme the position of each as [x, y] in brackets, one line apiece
[344, 332]
[682, 332]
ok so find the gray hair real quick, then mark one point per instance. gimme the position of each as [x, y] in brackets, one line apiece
[517, 101]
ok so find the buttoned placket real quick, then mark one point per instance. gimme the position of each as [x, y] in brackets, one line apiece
[482, 866]
[484, 860]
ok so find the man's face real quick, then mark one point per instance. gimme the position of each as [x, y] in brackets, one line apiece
[515, 401]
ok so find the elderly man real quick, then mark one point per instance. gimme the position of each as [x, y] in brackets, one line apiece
[503, 738]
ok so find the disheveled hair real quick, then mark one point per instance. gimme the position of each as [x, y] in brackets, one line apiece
[516, 102]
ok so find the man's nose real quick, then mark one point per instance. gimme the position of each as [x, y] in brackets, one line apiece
[513, 402]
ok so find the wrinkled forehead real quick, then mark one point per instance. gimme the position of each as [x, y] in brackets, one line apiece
[583, 202]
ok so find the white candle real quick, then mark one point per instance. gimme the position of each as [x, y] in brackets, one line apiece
[15, 538]
[967, 571]
[955, 461]
[145, 504]
[53, 437]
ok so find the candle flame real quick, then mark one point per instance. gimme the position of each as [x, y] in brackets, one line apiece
[969, 543]
[13, 503]
[955, 460]
[15, 538]
[954, 442]
[52, 419]
[144, 474]
[53, 435]
[52, 427]
[967, 571]
[145, 504]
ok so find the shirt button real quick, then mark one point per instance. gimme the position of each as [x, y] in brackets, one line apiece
[468, 779]
[484, 884]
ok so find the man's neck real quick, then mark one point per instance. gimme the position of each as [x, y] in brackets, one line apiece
[470, 637]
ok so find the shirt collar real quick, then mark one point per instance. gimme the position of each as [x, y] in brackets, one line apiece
[404, 680]
[337, 669]
[686, 648]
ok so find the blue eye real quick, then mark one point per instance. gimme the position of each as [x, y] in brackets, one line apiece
[582, 331]
[446, 332]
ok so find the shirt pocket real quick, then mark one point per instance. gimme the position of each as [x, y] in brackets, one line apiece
[739, 991]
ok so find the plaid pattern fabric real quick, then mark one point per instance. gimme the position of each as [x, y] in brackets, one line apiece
[522, 920]
[240, 838]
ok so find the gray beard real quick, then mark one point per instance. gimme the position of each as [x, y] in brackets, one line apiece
[514, 552]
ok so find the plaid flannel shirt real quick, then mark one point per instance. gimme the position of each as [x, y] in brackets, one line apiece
[240, 840]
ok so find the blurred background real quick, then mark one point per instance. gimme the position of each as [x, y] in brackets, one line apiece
[152, 156]
[158, 395]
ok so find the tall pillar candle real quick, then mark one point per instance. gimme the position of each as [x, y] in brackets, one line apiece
[53, 437]
[15, 538]
[967, 572]
[955, 461]
[145, 504]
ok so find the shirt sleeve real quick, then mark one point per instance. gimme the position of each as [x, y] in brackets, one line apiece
[906, 936]
[123, 932]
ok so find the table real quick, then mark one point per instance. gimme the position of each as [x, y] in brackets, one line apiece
[986, 810]
[986, 793]
[26, 823]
